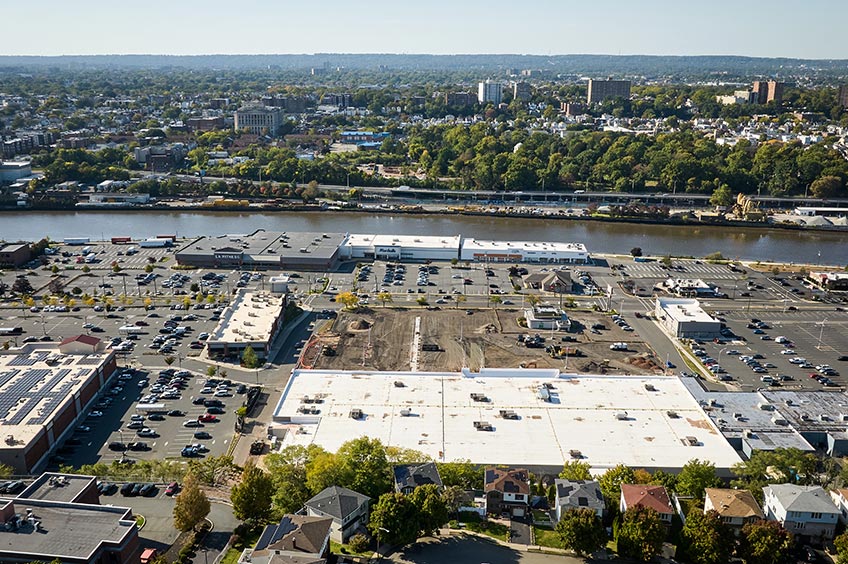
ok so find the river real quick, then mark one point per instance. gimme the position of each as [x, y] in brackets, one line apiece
[733, 242]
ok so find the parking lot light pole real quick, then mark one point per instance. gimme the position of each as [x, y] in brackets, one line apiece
[380, 556]
[821, 332]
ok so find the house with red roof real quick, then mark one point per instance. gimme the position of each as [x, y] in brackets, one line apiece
[655, 497]
[81, 344]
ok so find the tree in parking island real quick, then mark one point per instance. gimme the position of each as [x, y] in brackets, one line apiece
[191, 506]
[249, 358]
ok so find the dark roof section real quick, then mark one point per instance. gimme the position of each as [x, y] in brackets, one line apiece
[514, 480]
[85, 339]
[414, 475]
[337, 502]
[579, 493]
[297, 533]
[57, 487]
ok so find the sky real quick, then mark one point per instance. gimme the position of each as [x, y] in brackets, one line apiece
[776, 28]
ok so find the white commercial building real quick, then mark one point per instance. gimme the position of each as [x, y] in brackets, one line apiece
[252, 319]
[547, 317]
[683, 317]
[523, 251]
[650, 422]
[400, 247]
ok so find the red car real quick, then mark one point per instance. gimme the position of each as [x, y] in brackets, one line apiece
[172, 488]
[207, 418]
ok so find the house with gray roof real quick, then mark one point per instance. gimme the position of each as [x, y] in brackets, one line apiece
[578, 494]
[410, 476]
[805, 511]
[296, 539]
[348, 510]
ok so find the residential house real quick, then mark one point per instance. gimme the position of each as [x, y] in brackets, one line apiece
[840, 498]
[805, 511]
[655, 497]
[410, 476]
[348, 510]
[507, 491]
[296, 539]
[579, 494]
[736, 508]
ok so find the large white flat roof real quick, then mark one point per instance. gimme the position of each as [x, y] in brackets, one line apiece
[249, 318]
[480, 245]
[406, 241]
[685, 310]
[583, 416]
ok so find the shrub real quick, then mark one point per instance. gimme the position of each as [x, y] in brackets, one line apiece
[358, 543]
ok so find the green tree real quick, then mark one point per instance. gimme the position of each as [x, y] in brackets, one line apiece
[384, 297]
[191, 506]
[574, 470]
[394, 520]
[705, 539]
[251, 496]
[581, 530]
[461, 473]
[695, 477]
[22, 287]
[6, 471]
[366, 465]
[610, 483]
[764, 542]
[636, 252]
[358, 543]
[249, 358]
[213, 470]
[777, 466]
[431, 507]
[827, 187]
[841, 545]
[641, 533]
[722, 196]
[326, 470]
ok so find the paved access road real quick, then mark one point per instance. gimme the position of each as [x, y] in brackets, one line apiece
[462, 549]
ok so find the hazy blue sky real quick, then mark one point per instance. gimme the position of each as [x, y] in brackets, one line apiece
[791, 28]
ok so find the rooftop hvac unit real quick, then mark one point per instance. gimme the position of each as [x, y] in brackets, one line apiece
[483, 426]
[737, 416]
[749, 433]
[778, 421]
[765, 406]
[691, 441]
[805, 417]
[399, 384]
[356, 414]
[823, 417]
[576, 454]
[788, 401]
[844, 416]
[713, 402]
[672, 415]
[621, 416]
[405, 412]
[650, 387]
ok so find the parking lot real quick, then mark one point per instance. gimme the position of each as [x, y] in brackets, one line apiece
[168, 431]
[813, 336]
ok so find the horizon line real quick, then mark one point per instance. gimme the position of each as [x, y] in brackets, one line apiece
[417, 54]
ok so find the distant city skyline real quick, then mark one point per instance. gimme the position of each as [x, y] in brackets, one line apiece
[813, 29]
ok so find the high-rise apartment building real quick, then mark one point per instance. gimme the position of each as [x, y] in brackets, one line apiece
[459, 98]
[490, 92]
[768, 91]
[600, 90]
[843, 95]
[521, 91]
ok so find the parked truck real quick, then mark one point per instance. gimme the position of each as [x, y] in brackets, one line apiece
[154, 243]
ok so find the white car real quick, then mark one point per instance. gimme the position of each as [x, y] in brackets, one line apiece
[222, 394]
[207, 390]
[96, 414]
[798, 360]
[787, 351]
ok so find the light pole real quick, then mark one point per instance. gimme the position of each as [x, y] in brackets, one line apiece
[821, 332]
[380, 556]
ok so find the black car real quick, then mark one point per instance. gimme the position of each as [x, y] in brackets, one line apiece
[178, 413]
[200, 400]
[148, 490]
[202, 435]
[127, 489]
[138, 445]
[215, 410]
[155, 417]
[117, 445]
[213, 403]
[15, 487]
[241, 388]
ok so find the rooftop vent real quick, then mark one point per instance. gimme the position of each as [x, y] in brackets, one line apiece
[576, 454]
[691, 441]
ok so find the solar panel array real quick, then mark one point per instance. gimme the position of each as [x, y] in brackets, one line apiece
[28, 360]
[29, 390]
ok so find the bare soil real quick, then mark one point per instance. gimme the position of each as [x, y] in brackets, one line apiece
[488, 338]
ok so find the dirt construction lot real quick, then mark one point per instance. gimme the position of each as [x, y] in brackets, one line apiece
[385, 339]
